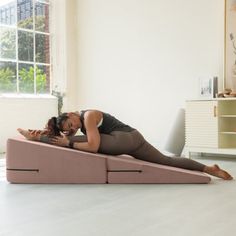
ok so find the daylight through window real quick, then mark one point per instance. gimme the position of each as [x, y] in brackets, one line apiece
[24, 46]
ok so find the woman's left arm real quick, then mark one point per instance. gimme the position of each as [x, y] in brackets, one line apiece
[93, 136]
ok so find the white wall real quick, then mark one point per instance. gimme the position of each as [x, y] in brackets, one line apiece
[141, 59]
[64, 51]
[137, 59]
[24, 112]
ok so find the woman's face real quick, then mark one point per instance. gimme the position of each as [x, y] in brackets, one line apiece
[71, 124]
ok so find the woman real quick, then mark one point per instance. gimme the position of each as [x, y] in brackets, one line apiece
[103, 133]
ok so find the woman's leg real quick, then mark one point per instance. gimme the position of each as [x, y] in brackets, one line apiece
[33, 136]
[133, 143]
[149, 153]
[118, 142]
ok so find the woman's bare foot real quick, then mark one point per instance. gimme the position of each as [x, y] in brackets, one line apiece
[29, 135]
[216, 171]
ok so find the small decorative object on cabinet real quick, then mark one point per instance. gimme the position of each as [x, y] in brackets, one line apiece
[210, 126]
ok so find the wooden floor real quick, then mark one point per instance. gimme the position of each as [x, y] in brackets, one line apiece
[120, 210]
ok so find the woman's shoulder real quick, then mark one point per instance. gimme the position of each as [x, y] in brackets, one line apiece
[90, 112]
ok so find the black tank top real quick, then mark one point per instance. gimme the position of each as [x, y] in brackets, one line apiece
[109, 124]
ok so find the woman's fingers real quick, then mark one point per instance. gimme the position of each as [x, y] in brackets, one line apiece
[60, 141]
[53, 140]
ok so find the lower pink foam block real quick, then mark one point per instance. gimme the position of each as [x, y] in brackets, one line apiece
[137, 171]
[35, 162]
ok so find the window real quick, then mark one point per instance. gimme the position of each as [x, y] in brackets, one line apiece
[24, 46]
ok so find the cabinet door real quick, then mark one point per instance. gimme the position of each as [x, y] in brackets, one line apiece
[201, 124]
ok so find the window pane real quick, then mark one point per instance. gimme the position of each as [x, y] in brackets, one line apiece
[24, 53]
[8, 12]
[42, 79]
[25, 46]
[41, 17]
[25, 14]
[8, 77]
[7, 43]
[42, 48]
[26, 78]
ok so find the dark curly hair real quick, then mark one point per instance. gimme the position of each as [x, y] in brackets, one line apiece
[54, 124]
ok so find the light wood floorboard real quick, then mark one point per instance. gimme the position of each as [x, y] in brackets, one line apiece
[120, 210]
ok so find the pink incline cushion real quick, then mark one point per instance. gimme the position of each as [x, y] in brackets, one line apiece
[137, 171]
[35, 162]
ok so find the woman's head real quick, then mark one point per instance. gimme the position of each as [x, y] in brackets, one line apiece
[67, 123]
[54, 125]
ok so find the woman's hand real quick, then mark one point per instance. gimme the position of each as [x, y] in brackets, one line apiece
[62, 141]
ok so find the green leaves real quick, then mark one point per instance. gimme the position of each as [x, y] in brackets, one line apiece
[7, 80]
[26, 80]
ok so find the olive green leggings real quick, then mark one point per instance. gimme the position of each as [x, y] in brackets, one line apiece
[134, 144]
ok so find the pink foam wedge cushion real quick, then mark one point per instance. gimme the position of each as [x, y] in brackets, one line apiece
[35, 162]
[137, 171]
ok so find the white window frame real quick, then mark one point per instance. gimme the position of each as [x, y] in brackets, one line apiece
[34, 63]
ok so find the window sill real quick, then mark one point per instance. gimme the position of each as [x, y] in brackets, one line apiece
[27, 96]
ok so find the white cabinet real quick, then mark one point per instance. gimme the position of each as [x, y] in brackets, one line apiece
[210, 126]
